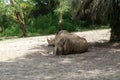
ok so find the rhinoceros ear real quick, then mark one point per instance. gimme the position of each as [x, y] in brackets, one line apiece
[48, 40]
[62, 41]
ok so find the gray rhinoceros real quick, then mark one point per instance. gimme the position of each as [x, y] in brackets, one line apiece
[51, 41]
[67, 43]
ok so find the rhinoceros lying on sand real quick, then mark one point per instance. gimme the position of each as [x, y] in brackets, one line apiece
[51, 41]
[66, 43]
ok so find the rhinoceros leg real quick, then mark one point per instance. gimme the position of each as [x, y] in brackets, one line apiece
[62, 47]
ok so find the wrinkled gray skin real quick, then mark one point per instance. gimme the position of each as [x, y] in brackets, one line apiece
[51, 41]
[68, 43]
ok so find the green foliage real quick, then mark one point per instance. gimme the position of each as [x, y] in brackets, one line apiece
[63, 7]
[43, 25]
[5, 15]
[75, 7]
[44, 7]
[68, 25]
[13, 30]
[47, 24]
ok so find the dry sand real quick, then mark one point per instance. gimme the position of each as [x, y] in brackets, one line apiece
[31, 59]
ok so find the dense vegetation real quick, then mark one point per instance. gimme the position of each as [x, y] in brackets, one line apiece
[40, 17]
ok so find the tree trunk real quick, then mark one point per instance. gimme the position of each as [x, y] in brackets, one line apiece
[22, 25]
[115, 22]
[115, 33]
[19, 18]
[60, 22]
[114, 37]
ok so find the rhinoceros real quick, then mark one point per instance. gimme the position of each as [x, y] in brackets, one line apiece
[51, 41]
[66, 43]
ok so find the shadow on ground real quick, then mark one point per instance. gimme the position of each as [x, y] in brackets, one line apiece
[101, 62]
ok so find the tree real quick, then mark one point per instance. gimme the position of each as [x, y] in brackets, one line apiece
[6, 17]
[114, 17]
[44, 7]
[19, 15]
[106, 9]
[61, 9]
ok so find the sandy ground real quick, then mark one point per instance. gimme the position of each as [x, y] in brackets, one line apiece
[31, 59]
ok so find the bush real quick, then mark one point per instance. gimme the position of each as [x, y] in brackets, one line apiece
[43, 25]
[47, 24]
[14, 30]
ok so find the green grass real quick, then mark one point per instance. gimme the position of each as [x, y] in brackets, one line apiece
[8, 34]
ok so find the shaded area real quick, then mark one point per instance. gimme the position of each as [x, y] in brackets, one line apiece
[105, 44]
[101, 62]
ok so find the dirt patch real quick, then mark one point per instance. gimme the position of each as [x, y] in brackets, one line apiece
[31, 59]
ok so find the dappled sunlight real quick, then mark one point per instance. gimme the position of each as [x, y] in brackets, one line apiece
[35, 60]
[89, 65]
[12, 49]
[66, 60]
[85, 74]
[48, 77]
